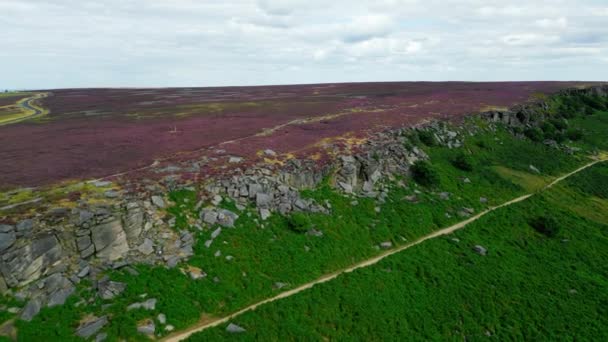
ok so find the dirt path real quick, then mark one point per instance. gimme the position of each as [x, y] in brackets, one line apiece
[209, 323]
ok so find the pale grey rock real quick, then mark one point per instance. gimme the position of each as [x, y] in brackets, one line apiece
[234, 329]
[226, 218]
[91, 327]
[110, 240]
[147, 328]
[264, 214]
[162, 319]
[110, 289]
[216, 233]
[133, 221]
[270, 153]
[111, 194]
[480, 250]
[263, 200]
[7, 240]
[217, 199]
[209, 217]
[147, 247]
[158, 201]
[386, 244]
[149, 304]
[60, 296]
[32, 308]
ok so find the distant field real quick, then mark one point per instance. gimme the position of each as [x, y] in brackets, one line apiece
[97, 132]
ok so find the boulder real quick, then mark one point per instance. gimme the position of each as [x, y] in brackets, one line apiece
[146, 328]
[7, 240]
[386, 244]
[158, 201]
[216, 233]
[209, 216]
[234, 329]
[110, 240]
[91, 327]
[480, 250]
[32, 308]
[263, 200]
[23, 265]
[110, 289]
[149, 304]
[226, 218]
[147, 247]
[264, 214]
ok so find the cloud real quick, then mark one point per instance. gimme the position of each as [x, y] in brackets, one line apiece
[77, 43]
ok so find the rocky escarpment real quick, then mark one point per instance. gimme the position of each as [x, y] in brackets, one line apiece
[44, 257]
[533, 114]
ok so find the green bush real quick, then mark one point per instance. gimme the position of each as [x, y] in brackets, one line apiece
[545, 225]
[574, 134]
[534, 134]
[464, 162]
[548, 129]
[427, 138]
[299, 222]
[559, 124]
[424, 174]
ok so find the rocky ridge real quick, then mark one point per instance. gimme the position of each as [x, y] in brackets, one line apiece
[44, 257]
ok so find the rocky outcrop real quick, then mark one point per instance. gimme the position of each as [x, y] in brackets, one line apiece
[532, 114]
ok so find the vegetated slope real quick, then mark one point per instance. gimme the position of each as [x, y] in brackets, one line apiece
[98, 132]
[259, 259]
[531, 285]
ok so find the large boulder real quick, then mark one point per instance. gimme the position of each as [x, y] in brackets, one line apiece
[20, 266]
[110, 240]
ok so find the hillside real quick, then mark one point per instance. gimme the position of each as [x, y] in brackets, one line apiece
[152, 213]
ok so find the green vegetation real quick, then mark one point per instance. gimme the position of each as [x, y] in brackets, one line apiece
[493, 164]
[424, 174]
[427, 138]
[527, 287]
[464, 162]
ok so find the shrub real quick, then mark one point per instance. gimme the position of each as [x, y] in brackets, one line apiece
[424, 174]
[427, 138]
[299, 222]
[560, 124]
[545, 225]
[548, 129]
[534, 134]
[464, 162]
[574, 134]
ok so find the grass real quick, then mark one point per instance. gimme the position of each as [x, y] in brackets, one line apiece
[269, 252]
[528, 287]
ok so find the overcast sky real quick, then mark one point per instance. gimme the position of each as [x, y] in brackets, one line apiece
[157, 43]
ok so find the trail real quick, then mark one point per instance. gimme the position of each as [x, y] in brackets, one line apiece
[27, 106]
[210, 323]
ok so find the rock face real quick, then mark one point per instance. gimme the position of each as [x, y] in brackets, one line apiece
[24, 264]
[110, 240]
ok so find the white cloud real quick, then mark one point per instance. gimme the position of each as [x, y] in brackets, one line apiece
[559, 23]
[65, 43]
[527, 39]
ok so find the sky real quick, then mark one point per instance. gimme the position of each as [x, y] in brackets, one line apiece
[168, 43]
